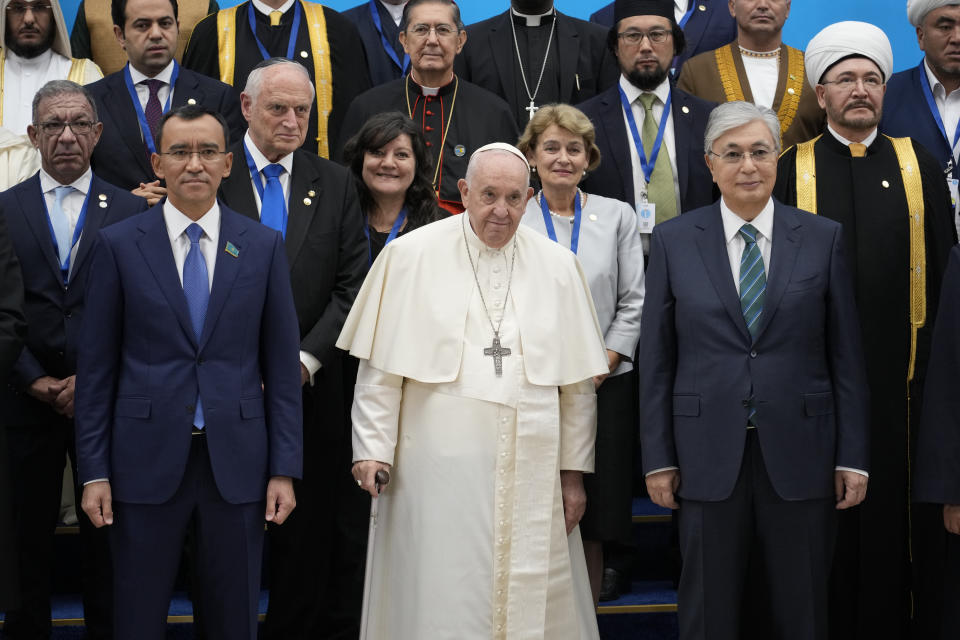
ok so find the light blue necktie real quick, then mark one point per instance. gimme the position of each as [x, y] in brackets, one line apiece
[196, 288]
[753, 285]
[61, 226]
[273, 209]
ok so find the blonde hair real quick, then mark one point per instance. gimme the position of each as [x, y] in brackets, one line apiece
[565, 117]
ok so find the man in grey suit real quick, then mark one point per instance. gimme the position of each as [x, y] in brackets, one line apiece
[753, 391]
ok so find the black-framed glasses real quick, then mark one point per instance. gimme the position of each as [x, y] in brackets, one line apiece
[656, 36]
[206, 156]
[55, 128]
[736, 157]
[20, 8]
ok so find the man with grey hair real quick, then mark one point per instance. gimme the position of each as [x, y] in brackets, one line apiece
[53, 219]
[753, 412]
[477, 342]
[316, 559]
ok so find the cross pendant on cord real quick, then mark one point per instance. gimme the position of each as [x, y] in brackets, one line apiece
[497, 352]
[532, 109]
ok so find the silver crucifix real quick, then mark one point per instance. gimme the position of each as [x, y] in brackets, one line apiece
[532, 109]
[497, 352]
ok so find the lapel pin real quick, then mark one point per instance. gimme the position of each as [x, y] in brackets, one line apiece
[702, 7]
[886, 185]
[459, 150]
[307, 201]
[791, 91]
[191, 101]
[103, 204]
[102, 196]
[311, 193]
[685, 109]
[232, 250]
[304, 54]
[593, 217]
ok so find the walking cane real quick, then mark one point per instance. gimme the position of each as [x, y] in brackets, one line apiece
[382, 478]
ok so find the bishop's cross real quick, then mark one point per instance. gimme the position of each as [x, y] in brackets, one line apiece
[497, 352]
[532, 109]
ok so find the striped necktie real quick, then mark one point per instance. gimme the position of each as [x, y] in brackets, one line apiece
[753, 279]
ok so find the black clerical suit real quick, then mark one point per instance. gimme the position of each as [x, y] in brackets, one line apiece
[579, 65]
[316, 557]
[347, 60]
[383, 66]
[121, 158]
[39, 437]
[871, 576]
[13, 329]
[478, 117]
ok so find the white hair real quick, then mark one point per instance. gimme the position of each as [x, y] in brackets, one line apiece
[731, 115]
[256, 77]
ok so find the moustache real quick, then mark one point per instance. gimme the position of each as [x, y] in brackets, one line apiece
[860, 104]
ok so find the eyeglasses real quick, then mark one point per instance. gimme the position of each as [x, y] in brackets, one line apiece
[207, 156]
[736, 157]
[53, 128]
[656, 36]
[847, 83]
[443, 30]
[20, 8]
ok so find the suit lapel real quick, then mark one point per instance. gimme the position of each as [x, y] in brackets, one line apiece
[782, 73]
[568, 43]
[34, 209]
[124, 116]
[92, 223]
[927, 120]
[683, 141]
[504, 53]
[225, 271]
[713, 252]
[783, 257]
[615, 133]
[186, 88]
[696, 25]
[236, 190]
[304, 188]
[154, 244]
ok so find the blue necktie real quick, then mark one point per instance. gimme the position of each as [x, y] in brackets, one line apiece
[196, 288]
[753, 285]
[273, 209]
[61, 226]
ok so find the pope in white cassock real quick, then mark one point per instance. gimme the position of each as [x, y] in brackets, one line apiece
[478, 343]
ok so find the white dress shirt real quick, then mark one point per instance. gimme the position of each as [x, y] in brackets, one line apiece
[395, 10]
[143, 91]
[72, 202]
[947, 105]
[22, 77]
[177, 223]
[866, 141]
[763, 74]
[669, 140]
[308, 360]
[266, 9]
[680, 8]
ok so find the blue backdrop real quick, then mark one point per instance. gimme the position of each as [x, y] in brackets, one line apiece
[806, 18]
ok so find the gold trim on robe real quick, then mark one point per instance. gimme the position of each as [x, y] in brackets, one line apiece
[728, 73]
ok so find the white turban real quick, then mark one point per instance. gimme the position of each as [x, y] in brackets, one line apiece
[843, 39]
[917, 10]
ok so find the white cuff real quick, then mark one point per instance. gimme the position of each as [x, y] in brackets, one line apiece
[860, 471]
[650, 473]
[311, 363]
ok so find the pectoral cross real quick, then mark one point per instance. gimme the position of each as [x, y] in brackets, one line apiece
[497, 352]
[532, 109]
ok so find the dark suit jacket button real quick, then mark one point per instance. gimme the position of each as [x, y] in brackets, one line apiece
[191, 409]
[68, 314]
[746, 403]
[199, 361]
[753, 354]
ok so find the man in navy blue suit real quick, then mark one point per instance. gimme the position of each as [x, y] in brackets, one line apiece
[188, 396]
[378, 23]
[671, 175]
[53, 219]
[132, 100]
[706, 24]
[754, 412]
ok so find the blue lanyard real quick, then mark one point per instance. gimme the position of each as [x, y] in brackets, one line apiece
[141, 116]
[294, 30]
[646, 165]
[65, 260]
[686, 16]
[394, 232]
[931, 103]
[375, 14]
[548, 221]
[254, 173]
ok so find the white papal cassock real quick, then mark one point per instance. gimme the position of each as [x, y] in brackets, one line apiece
[471, 542]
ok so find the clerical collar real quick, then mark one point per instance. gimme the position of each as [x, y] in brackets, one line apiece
[532, 20]
[866, 141]
[395, 10]
[164, 76]
[938, 89]
[266, 9]
[260, 160]
[749, 53]
[432, 91]
[763, 222]
[82, 184]
[41, 60]
[633, 92]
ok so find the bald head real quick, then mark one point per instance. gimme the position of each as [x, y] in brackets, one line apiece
[276, 102]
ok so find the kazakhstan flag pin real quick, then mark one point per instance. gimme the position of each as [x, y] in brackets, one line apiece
[232, 250]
